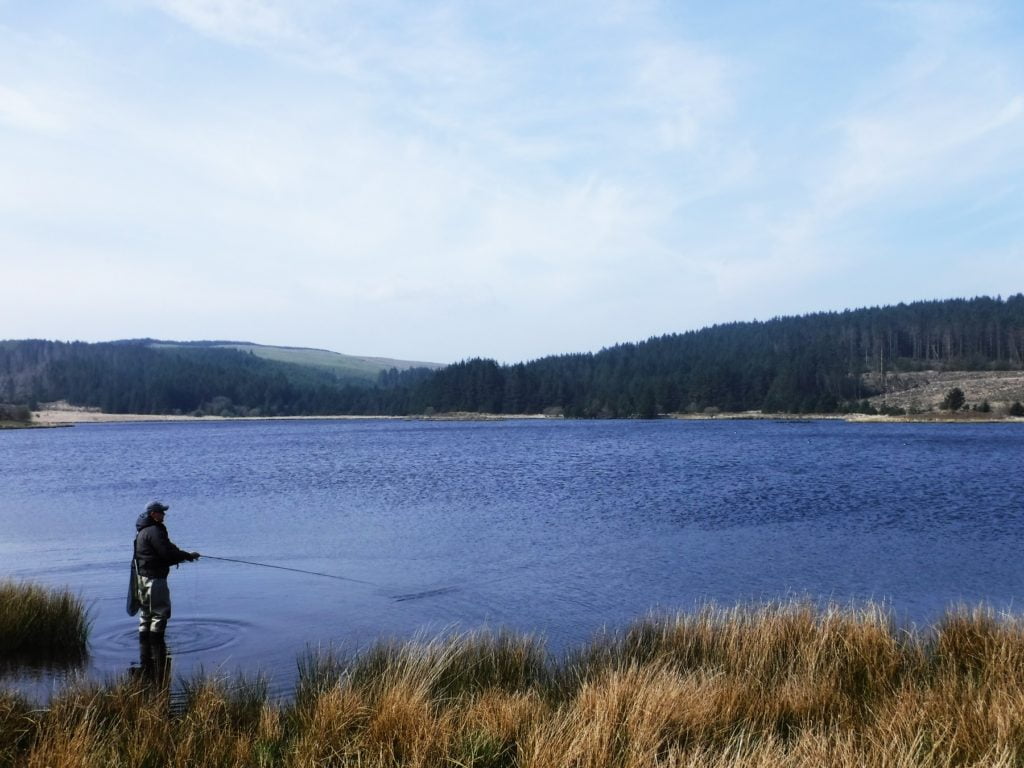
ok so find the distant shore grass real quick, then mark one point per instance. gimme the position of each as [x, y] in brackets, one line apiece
[41, 625]
[789, 685]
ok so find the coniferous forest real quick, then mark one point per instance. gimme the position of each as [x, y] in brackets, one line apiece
[811, 363]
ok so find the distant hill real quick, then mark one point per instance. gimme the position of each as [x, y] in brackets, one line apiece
[825, 362]
[349, 367]
[220, 378]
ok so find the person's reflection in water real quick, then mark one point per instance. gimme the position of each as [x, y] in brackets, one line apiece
[154, 663]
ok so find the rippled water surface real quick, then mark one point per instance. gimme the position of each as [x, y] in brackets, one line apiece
[550, 527]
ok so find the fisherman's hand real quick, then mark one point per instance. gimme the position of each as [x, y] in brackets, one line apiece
[193, 556]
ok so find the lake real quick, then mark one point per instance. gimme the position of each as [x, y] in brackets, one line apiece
[556, 528]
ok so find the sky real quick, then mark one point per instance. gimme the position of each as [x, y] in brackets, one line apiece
[436, 181]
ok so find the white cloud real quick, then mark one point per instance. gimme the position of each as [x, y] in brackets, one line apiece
[255, 22]
[943, 123]
[686, 89]
[928, 142]
[29, 112]
[950, 111]
[374, 44]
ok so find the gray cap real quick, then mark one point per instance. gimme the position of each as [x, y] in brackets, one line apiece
[156, 506]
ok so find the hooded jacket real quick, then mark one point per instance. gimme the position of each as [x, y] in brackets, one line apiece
[155, 553]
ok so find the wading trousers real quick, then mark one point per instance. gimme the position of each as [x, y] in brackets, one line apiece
[155, 599]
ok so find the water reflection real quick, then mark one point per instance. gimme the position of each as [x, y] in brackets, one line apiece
[35, 665]
[154, 666]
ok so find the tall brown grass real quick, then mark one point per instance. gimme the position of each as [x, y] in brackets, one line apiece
[42, 625]
[767, 685]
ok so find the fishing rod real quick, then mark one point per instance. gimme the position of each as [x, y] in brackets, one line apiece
[285, 568]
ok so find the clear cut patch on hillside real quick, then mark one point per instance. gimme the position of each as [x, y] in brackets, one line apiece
[925, 390]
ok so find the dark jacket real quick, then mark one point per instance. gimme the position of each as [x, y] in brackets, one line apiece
[154, 551]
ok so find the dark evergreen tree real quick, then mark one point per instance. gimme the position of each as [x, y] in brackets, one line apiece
[954, 400]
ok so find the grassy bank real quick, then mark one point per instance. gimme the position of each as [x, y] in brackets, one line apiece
[41, 625]
[787, 685]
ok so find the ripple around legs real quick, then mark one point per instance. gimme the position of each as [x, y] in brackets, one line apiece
[183, 637]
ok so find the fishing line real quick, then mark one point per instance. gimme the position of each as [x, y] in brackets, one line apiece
[296, 570]
[405, 597]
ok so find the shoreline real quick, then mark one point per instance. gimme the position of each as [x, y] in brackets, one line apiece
[71, 417]
[47, 418]
[853, 418]
[11, 425]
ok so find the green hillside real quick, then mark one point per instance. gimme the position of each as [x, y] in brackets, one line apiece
[342, 366]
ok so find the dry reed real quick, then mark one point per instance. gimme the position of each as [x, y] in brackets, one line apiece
[768, 685]
[39, 625]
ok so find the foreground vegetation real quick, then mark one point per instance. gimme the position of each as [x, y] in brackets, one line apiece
[41, 626]
[14, 416]
[778, 685]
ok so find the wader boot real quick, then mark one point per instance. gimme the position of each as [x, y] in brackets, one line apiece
[155, 602]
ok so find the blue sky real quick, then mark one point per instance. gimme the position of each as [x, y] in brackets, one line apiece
[443, 180]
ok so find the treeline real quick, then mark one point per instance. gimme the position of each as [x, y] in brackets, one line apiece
[810, 364]
[19, 413]
[813, 364]
[135, 377]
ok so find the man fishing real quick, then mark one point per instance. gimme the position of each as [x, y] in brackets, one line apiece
[155, 553]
